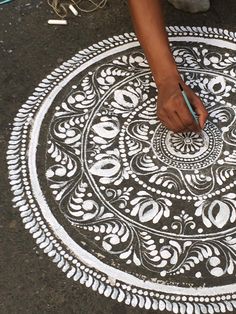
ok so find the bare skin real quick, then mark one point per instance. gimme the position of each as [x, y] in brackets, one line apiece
[150, 29]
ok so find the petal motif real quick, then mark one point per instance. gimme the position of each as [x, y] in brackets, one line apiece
[219, 213]
[107, 129]
[148, 210]
[125, 98]
[106, 167]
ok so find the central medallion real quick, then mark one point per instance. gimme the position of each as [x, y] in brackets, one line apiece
[188, 150]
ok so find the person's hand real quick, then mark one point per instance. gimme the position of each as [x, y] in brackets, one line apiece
[172, 109]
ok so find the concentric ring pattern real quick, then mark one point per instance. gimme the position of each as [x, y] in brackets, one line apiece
[117, 201]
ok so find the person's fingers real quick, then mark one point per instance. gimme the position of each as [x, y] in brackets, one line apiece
[181, 116]
[163, 117]
[176, 116]
[176, 123]
[200, 110]
[172, 109]
[179, 123]
[170, 125]
[172, 121]
[186, 118]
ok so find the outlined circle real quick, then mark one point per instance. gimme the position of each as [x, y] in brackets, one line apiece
[200, 157]
[40, 222]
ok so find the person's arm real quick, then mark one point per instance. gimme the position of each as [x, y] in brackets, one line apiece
[150, 29]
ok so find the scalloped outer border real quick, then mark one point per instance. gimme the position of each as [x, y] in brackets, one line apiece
[23, 199]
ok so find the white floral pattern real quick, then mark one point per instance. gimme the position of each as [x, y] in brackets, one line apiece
[217, 212]
[131, 209]
[138, 167]
[127, 142]
[188, 142]
[149, 209]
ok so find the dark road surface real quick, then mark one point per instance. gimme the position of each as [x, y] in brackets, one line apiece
[29, 50]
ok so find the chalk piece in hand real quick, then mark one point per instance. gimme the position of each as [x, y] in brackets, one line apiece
[73, 10]
[57, 22]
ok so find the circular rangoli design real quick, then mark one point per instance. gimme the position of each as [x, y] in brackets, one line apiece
[117, 201]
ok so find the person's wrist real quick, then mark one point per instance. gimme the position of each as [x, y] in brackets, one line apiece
[166, 78]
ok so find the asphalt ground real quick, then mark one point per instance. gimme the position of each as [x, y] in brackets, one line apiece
[29, 50]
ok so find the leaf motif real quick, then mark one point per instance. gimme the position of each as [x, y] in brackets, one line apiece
[148, 210]
[219, 213]
[106, 167]
[106, 130]
[125, 98]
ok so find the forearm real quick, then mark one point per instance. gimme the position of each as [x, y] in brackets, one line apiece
[149, 26]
